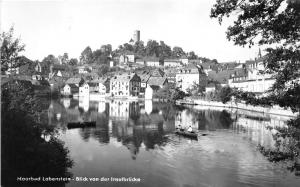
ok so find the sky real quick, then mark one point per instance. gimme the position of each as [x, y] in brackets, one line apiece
[58, 26]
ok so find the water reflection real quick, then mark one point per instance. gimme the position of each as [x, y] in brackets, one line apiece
[135, 138]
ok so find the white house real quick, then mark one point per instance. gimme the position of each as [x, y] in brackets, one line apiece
[70, 89]
[184, 60]
[130, 57]
[187, 77]
[253, 80]
[84, 90]
[151, 61]
[172, 63]
[125, 85]
[84, 69]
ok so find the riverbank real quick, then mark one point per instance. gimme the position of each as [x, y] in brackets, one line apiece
[275, 110]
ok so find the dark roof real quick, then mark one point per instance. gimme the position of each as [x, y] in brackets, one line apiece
[100, 80]
[125, 77]
[183, 57]
[144, 75]
[157, 73]
[172, 60]
[58, 67]
[157, 81]
[151, 59]
[74, 80]
[92, 84]
[73, 86]
[222, 76]
[190, 69]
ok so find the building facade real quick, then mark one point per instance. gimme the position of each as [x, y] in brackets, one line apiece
[172, 63]
[189, 76]
[125, 85]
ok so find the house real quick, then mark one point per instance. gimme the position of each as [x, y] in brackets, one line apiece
[157, 83]
[93, 87]
[157, 72]
[188, 76]
[38, 67]
[56, 70]
[195, 61]
[252, 80]
[84, 69]
[75, 80]
[140, 61]
[171, 75]
[11, 70]
[222, 77]
[103, 85]
[210, 88]
[172, 63]
[70, 89]
[152, 61]
[123, 59]
[184, 60]
[84, 89]
[131, 57]
[125, 85]
[144, 75]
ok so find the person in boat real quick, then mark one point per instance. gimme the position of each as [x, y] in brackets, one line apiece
[180, 128]
[190, 129]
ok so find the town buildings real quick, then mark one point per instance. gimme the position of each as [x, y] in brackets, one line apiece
[125, 85]
[253, 80]
[172, 63]
[189, 76]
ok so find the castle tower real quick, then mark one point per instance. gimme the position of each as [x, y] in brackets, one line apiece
[136, 36]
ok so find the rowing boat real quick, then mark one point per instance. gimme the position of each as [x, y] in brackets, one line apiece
[81, 124]
[187, 134]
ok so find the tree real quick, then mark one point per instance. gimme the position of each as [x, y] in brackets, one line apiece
[24, 149]
[47, 62]
[164, 50]
[73, 61]
[178, 51]
[103, 69]
[86, 55]
[139, 48]
[192, 55]
[10, 49]
[276, 24]
[152, 48]
[225, 94]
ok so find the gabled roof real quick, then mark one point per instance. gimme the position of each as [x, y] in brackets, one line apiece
[144, 75]
[189, 69]
[100, 80]
[183, 57]
[56, 67]
[222, 76]
[92, 84]
[157, 81]
[151, 59]
[172, 60]
[125, 77]
[74, 80]
[157, 73]
[72, 85]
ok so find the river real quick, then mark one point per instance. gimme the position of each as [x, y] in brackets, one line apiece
[136, 139]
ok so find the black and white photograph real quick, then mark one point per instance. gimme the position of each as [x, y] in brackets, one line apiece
[150, 93]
